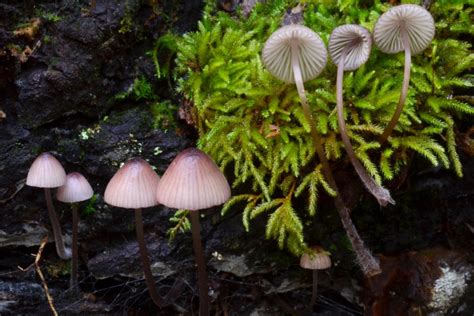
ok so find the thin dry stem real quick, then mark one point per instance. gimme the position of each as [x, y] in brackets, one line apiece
[44, 241]
[403, 95]
[380, 193]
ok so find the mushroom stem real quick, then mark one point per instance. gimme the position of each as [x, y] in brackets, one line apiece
[150, 281]
[307, 112]
[201, 265]
[314, 295]
[380, 193]
[403, 95]
[63, 252]
[367, 262]
[74, 246]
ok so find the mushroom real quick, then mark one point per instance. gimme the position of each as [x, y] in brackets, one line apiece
[349, 47]
[76, 189]
[194, 182]
[46, 172]
[316, 258]
[407, 27]
[294, 53]
[134, 187]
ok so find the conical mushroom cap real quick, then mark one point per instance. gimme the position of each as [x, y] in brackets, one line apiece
[417, 22]
[356, 39]
[46, 172]
[133, 186]
[312, 54]
[76, 189]
[317, 260]
[193, 182]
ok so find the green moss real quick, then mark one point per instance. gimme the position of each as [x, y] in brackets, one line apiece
[252, 123]
[90, 207]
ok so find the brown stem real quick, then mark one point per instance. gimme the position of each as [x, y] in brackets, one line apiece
[150, 281]
[406, 80]
[368, 263]
[74, 246]
[201, 265]
[380, 193]
[63, 252]
[314, 295]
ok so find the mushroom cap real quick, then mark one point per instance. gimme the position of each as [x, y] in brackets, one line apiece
[133, 186]
[358, 41]
[76, 189]
[419, 25]
[193, 182]
[316, 260]
[46, 172]
[312, 54]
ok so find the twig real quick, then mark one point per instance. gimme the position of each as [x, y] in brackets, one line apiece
[40, 274]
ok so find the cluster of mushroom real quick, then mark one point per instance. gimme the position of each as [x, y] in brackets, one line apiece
[295, 54]
[46, 172]
[192, 182]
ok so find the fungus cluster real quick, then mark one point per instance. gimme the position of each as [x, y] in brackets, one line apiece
[297, 47]
[46, 172]
[192, 182]
[295, 54]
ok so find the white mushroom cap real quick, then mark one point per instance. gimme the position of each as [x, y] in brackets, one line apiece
[193, 182]
[312, 56]
[316, 260]
[358, 41]
[133, 186]
[46, 172]
[417, 21]
[76, 189]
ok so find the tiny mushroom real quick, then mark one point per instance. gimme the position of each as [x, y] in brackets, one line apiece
[409, 28]
[134, 187]
[316, 258]
[349, 47]
[46, 172]
[194, 182]
[76, 189]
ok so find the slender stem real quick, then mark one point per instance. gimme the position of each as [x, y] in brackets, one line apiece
[368, 263]
[380, 193]
[201, 265]
[150, 281]
[314, 295]
[74, 246]
[63, 252]
[403, 94]
[309, 117]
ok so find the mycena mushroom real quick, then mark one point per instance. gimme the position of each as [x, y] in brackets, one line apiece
[46, 172]
[349, 47]
[75, 190]
[316, 258]
[134, 187]
[194, 182]
[408, 28]
[294, 54]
